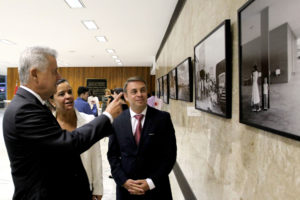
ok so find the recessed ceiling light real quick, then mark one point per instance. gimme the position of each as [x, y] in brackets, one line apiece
[120, 64]
[4, 41]
[110, 51]
[115, 57]
[101, 38]
[74, 3]
[90, 24]
[118, 61]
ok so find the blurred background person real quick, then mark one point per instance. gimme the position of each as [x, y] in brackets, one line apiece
[151, 100]
[105, 99]
[92, 100]
[122, 99]
[70, 119]
[81, 103]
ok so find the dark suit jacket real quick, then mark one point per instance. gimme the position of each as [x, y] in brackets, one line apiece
[45, 160]
[153, 158]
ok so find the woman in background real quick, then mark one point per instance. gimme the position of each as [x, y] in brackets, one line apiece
[105, 99]
[69, 119]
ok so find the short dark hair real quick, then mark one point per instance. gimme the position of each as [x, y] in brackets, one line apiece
[82, 90]
[132, 79]
[118, 90]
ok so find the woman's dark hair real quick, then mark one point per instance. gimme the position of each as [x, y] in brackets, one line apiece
[60, 81]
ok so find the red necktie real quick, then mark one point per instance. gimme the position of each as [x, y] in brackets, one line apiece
[138, 129]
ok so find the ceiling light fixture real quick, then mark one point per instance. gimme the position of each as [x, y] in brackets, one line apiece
[90, 24]
[101, 39]
[118, 61]
[4, 41]
[120, 64]
[115, 57]
[74, 3]
[110, 51]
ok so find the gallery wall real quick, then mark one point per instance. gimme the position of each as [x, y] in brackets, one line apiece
[221, 158]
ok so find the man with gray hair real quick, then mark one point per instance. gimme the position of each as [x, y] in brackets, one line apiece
[45, 160]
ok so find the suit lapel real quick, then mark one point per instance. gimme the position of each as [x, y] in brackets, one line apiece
[147, 126]
[128, 128]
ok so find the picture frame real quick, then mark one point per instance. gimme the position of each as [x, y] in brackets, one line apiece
[161, 91]
[185, 80]
[213, 72]
[157, 88]
[268, 66]
[165, 79]
[98, 86]
[173, 84]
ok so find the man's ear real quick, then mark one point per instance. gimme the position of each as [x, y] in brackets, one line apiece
[125, 95]
[33, 73]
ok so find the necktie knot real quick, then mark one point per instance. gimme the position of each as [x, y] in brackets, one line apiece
[139, 117]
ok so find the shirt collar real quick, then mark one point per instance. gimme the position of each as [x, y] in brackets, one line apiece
[34, 93]
[132, 114]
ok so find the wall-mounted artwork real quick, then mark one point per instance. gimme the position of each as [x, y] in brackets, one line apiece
[166, 88]
[157, 88]
[185, 80]
[213, 68]
[173, 84]
[269, 66]
[161, 91]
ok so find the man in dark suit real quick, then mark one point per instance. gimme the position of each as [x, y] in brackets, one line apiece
[142, 151]
[45, 160]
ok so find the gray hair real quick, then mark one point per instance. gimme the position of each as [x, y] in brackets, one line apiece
[132, 79]
[34, 57]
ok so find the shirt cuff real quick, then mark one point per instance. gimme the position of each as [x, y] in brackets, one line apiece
[150, 184]
[107, 114]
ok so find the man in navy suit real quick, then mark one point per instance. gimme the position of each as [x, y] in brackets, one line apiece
[142, 150]
[45, 160]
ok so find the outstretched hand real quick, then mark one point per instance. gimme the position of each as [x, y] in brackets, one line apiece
[114, 108]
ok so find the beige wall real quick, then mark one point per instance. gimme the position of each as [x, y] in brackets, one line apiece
[223, 159]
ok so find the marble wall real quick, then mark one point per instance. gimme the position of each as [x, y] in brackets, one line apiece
[223, 159]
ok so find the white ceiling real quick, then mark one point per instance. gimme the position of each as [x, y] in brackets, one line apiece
[134, 29]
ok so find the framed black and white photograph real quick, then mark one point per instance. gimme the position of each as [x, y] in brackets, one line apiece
[157, 88]
[212, 56]
[166, 88]
[269, 59]
[185, 80]
[173, 84]
[161, 91]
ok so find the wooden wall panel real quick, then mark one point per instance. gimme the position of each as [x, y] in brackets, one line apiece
[12, 78]
[115, 76]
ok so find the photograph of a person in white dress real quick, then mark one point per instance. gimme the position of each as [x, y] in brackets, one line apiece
[255, 100]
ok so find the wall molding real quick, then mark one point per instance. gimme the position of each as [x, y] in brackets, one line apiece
[183, 183]
[179, 6]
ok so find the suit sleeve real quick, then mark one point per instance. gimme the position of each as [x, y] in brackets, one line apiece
[114, 158]
[38, 127]
[168, 154]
